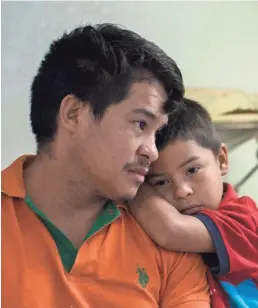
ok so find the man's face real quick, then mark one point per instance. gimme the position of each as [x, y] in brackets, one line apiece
[116, 151]
[189, 176]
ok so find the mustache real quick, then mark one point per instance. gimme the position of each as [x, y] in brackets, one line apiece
[141, 163]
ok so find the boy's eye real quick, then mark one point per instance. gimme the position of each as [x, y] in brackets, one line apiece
[141, 124]
[161, 183]
[192, 170]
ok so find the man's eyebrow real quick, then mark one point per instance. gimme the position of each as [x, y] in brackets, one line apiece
[189, 160]
[145, 112]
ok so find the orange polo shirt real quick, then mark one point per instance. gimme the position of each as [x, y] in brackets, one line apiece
[117, 265]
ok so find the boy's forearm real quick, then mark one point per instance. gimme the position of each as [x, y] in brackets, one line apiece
[188, 234]
[171, 229]
[152, 215]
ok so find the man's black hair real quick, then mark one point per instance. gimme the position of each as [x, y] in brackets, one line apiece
[97, 64]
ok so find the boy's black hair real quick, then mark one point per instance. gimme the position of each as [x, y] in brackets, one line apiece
[98, 65]
[191, 121]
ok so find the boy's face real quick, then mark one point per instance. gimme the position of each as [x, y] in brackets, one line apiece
[189, 176]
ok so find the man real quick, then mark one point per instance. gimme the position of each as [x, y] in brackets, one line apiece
[97, 101]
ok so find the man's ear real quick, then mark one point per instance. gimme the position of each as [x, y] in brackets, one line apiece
[69, 113]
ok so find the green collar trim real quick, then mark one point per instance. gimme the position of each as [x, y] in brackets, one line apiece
[109, 213]
[65, 247]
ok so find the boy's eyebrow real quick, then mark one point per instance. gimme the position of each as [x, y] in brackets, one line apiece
[151, 174]
[189, 160]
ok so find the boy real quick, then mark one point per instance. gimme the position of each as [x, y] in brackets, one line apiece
[207, 216]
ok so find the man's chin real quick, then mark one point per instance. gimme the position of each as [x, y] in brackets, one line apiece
[127, 197]
[124, 199]
[124, 193]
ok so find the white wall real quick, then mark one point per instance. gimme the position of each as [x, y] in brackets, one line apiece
[215, 44]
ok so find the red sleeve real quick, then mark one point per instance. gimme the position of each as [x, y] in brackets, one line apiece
[234, 231]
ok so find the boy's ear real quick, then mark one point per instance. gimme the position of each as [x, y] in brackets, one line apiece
[223, 159]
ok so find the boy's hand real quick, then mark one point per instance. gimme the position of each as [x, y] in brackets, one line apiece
[143, 196]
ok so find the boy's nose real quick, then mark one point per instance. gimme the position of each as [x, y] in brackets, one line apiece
[183, 191]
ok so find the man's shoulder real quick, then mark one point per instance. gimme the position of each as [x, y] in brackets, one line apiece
[12, 183]
[166, 259]
[169, 267]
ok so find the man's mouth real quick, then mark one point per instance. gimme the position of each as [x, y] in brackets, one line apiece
[139, 172]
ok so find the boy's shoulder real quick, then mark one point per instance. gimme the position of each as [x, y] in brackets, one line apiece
[232, 200]
[234, 231]
[235, 216]
[233, 210]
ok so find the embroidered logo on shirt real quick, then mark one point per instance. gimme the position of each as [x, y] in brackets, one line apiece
[143, 277]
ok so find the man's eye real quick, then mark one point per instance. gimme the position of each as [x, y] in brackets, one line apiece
[141, 124]
[192, 170]
[161, 183]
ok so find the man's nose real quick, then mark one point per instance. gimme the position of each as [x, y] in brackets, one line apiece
[149, 149]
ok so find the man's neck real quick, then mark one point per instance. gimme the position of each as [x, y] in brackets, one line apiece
[71, 206]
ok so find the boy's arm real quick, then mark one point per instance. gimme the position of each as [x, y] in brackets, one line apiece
[233, 229]
[166, 226]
